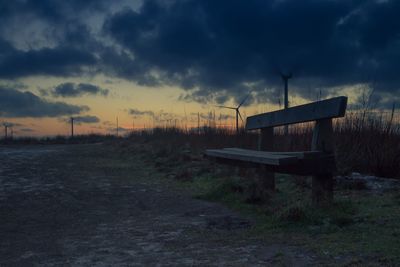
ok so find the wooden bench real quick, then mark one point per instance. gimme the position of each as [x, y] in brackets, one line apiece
[318, 162]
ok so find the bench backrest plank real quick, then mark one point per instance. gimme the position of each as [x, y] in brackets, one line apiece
[325, 109]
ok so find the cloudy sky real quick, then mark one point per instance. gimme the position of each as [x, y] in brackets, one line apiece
[170, 59]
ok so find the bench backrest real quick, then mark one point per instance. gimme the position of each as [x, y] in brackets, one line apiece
[325, 109]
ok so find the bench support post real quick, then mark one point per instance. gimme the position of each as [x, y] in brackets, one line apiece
[322, 184]
[265, 143]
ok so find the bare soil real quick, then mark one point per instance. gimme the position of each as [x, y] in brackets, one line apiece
[78, 206]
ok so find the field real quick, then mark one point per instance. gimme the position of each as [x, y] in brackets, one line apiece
[152, 196]
[361, 228]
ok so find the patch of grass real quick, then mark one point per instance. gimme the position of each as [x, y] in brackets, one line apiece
[360, 228]
[224, 190]
[358, 223]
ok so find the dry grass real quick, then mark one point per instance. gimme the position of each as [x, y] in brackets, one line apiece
[366, 142]
[369, 143]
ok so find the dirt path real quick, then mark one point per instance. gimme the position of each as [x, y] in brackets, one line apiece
[72, 206]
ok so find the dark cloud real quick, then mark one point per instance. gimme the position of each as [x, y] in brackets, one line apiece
[206, 95]
[86, 119]
[208, 46]
[53, 11]
[136, 112]
[25, 104]
[48, 37]
[10, 124]
[58, 61]
[75, 90]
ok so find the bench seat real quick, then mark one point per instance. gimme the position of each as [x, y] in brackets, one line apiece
[300, 155]
[264, 157]
[302, 162]
[254, 156]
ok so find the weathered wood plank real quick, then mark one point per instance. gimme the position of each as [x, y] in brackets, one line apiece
[266, 178]
[260, 157]
[298, 154]
[322, 184]
[325, 109]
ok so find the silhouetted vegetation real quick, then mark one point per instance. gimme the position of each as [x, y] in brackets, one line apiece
[366, 142]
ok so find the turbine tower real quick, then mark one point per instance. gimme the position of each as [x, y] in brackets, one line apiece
[117, 126]
[72, 127]
[5, 131]
[285, 78]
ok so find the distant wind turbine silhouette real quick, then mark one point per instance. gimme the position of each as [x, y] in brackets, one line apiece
[72, 127]
[237, 112]
[285, 78]
[5, 131]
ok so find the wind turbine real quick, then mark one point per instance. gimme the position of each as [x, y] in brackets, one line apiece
[117, 126]
[72, 127]
[5, 131]
[237, 112]
[7, 126]
[285, 78]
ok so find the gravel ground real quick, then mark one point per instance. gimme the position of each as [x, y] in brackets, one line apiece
[60, 206]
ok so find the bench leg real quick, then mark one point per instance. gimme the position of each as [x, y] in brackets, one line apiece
[265, 143]
[322, 190]
[322, 185]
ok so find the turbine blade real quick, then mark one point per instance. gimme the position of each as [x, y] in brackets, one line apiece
[240, 115]
[241, 103]
[225, 107]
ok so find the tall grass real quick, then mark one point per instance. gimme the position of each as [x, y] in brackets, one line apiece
[369, 142]
[366, 142]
